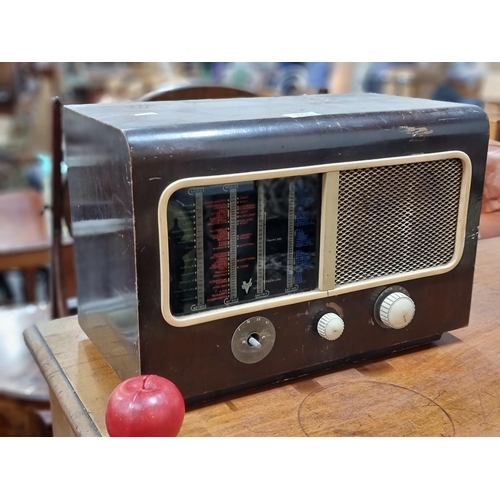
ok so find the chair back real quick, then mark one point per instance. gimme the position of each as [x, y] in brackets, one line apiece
[195, 92]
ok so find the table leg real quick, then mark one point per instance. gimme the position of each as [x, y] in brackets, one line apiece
[30, 284]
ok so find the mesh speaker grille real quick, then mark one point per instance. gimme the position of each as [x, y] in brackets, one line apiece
[396, 219]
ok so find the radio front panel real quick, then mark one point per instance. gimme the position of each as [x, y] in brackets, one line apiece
[248, 242]
[228, 244]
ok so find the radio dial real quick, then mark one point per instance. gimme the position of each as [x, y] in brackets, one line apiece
[253, 340]
[397, 310]
[330, 326]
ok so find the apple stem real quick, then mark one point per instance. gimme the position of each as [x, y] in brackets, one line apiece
[144, 381]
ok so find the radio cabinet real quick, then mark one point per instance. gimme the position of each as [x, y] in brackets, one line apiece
[226, 244]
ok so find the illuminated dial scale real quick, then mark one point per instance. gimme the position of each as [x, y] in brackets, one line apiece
[234, 243]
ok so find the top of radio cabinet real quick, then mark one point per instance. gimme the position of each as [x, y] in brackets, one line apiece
[143, 115]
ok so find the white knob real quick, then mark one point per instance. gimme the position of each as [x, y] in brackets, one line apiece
[330, 326]
[397, 310]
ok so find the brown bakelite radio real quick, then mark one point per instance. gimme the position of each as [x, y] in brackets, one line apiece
[226, 244]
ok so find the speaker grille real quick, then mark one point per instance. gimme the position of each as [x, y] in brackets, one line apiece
[396, 219]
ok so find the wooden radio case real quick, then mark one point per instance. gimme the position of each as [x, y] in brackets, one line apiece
[226, 244]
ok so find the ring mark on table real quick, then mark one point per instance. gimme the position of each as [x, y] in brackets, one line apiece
[370, 408]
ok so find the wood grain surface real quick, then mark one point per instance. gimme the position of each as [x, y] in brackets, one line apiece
[448, 388]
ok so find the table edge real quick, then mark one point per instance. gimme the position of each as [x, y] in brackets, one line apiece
[69, 401]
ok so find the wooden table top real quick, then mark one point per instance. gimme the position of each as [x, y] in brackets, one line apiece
[24, 239]
[449, 388]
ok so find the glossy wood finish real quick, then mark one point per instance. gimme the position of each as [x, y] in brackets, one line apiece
[449, 388]
[122, 157]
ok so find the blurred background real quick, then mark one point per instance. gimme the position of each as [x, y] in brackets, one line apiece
[26, 90]
[28, 197]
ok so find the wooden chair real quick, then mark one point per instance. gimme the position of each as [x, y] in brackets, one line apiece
[62, 266]
[195, 92]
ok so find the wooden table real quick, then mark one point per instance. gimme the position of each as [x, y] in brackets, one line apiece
[24, 239]
[449, 388]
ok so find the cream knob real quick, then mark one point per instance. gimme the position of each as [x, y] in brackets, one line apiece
[330, 326]
[397, 310]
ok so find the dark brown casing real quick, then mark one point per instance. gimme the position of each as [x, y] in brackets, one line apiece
[122, 156]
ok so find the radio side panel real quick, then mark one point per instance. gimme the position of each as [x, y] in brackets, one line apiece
[199, 358]
[99, 179]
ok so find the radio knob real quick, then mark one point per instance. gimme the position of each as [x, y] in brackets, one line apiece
[397, 310]
[330, 326]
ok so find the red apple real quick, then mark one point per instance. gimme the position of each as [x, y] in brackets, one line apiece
[145, 406]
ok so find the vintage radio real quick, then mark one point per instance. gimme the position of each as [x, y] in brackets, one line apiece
[226, 244]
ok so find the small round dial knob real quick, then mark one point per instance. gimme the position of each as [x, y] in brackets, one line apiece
[330, 326]
[397, 310]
